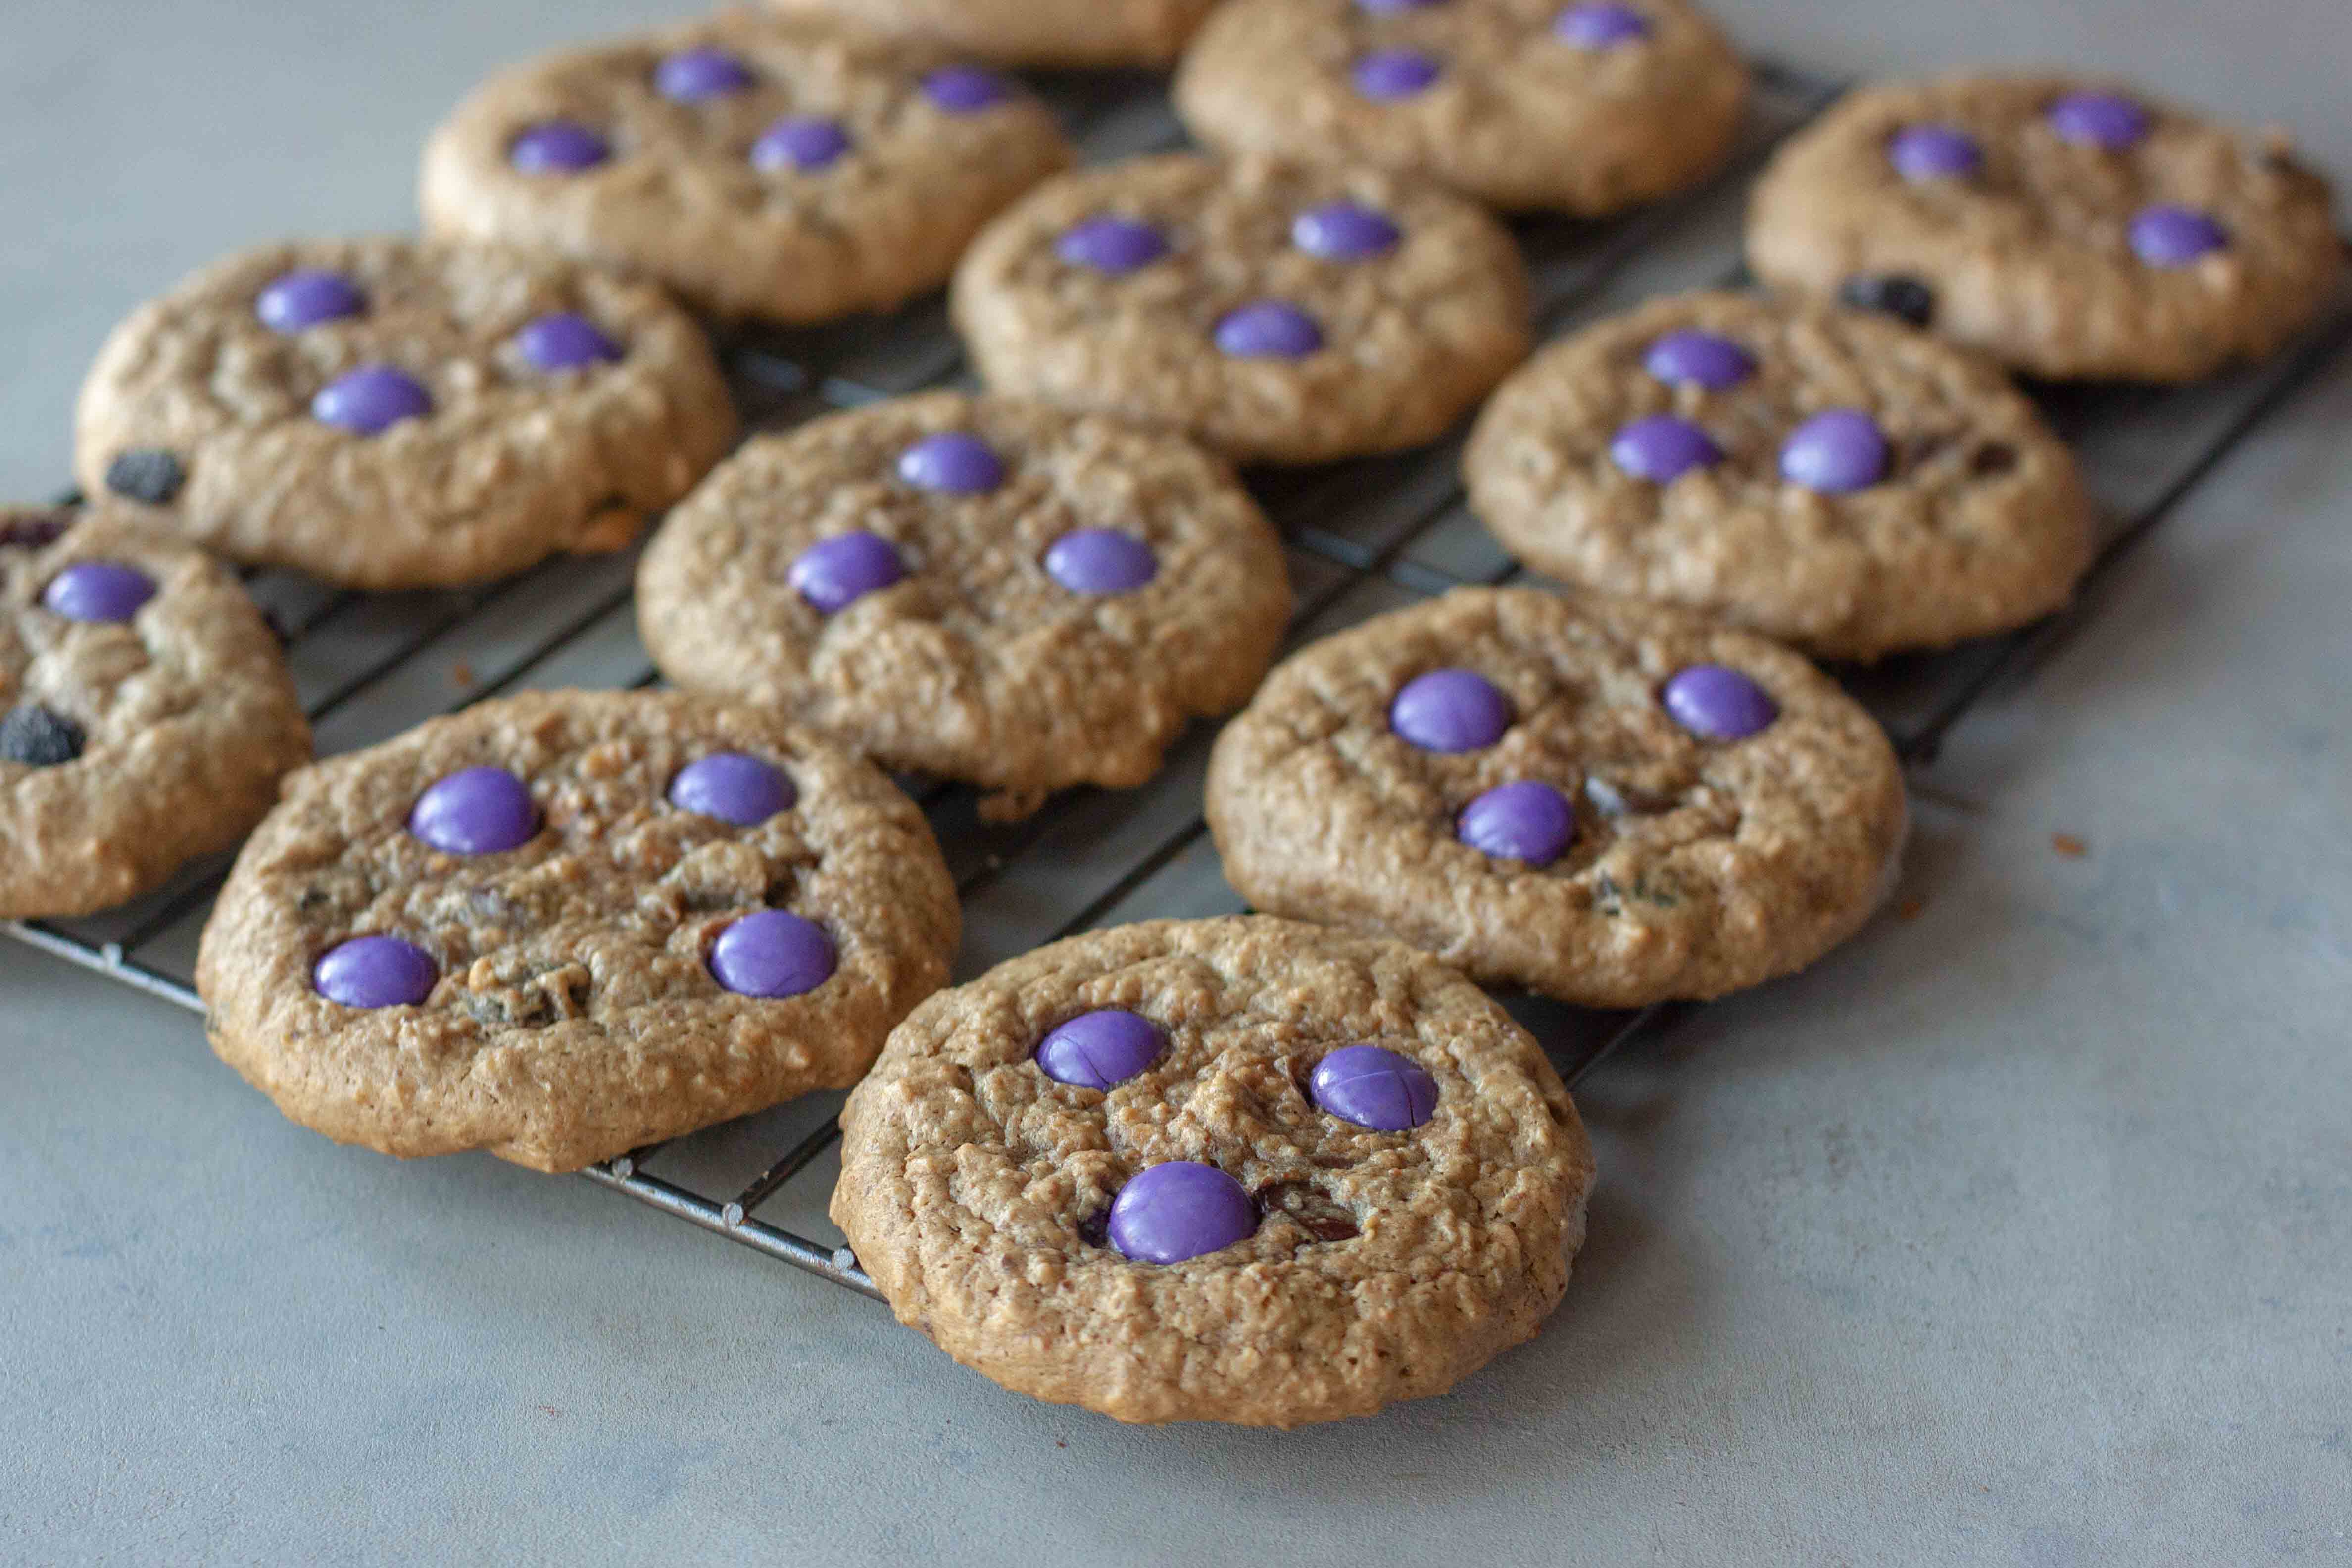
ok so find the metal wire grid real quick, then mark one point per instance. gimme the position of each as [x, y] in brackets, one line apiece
[1363, 537]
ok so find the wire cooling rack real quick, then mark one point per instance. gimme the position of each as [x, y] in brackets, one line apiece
[1363, 537]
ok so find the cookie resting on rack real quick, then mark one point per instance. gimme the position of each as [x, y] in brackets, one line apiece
[1069, 33]
[146, 714]
[1607, 802]
[1830, 478]
[387, 415]
[1277, 312]
[1236, 1169]
[2070, 227]
[783, 168]
[974, 588]
[560, 927]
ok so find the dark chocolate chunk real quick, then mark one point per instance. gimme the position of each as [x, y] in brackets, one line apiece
[38, 738]
[146, 473]
[35, 530]
[1992, 459]
[1309, 1208]
[1905, 299]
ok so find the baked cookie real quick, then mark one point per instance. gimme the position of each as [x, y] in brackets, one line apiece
[1235, 1170]
[1278, 312]
[975, 588]
[2070, 228]
[1830, 478]
[561, 926]
[1609, 802]
[145, 710]
[787, 168]
[1033, 32]
[388, 414]
[1574, 106]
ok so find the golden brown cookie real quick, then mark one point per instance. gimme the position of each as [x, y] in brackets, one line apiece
[1832, 478]
[1236, 1169]
[1032, 32]
[1609, 802]
[561, 926]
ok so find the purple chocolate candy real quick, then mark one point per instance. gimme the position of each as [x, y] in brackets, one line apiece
[1600, 26]
[1102, 1050]
[476, 811]
[693, 76]
[1179, 1210]
[1718, 704]
[2175, 236]
[564, 340]
[1268, 329]
[104, 591]
[1690, 357]
[1835, 452]
[833, 572]
[371, 400]
[1450, 710]
[1344, 231]
[772, 954]
[1662, 448]
[733, 787]
[1116, 246]
[952, 463]
[1100, 560]
[965, 89]
[375, 971]
[308, 298]
[2102, 120]
[1374, 1088]
[557, 147]
[1925, 152]
[1529, 821]
[803, 143]
[1386, 75]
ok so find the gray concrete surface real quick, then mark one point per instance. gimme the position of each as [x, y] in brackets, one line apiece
[2020, 1231]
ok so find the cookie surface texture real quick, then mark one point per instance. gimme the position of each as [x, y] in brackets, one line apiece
[1032, 32]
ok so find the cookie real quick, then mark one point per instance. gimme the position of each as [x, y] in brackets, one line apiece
[145, 710]
[1586, 108]
[2069, 227]
[974, 589]
[1830, 478]
[1236, 1169]
[562, 926]
[1277, 312]
[1032, 32]
[388, 414]
[786, 168]
[1609, 802]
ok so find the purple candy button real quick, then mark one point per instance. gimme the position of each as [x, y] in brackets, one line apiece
[375, 971]
[1268, 329]
[835, 571]
[693, 76]
[802, 144]
[952, 463]
[1450, 710]
[1662, 448]
[476, 811]
[1600, 26]
[1344, 231]
[1689, 357]
[965, 89]
[1529, 821]
[557, 147]
[2175, 236]
[1179, 1210]
[772, 954]
[1924, 152]
[1835, 452]
[2102, 120]
[1718, 704]
[1386, 75]
[371, 400]
[1100, 560]
[308, 298]
[1102, 1050]
[100, 591]
[733, 787]
[564, 340]
[1374, 1088]
[1116, 246]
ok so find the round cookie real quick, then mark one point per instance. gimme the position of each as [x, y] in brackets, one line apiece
[1296, 1177]
[786, 168]
[1277, 312]
[562, 926]
[1605, 801]
[1576, 106]
[2070, 228]
[146, 714]
[1830, 478]
[974, 589]
[1082, 33]
[388, 414]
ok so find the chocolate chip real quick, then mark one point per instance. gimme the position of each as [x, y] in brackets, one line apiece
[1992, 459]
[146, 473]
[36, 529]
[38, 738]
[1095, 1229]
[1905, 299]
[1309, 1208]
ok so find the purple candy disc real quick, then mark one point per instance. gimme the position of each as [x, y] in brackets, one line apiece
[1528, 820]
[965, 89]
[1600, 26]
[1835, 452]
[1116, 246]
[833, 572]
[1718, 704]
[1178, 1210]
[803, 143]
[308, 298]
[1344, 231]
[2102, 120]
[772, 954]
[693, 76]
[1100, 560]
[557, 147]
[732, 786]
[100, 591]
[1374, 1088]
[952, 463]
[1102, 1050]
[564, 340]
[1385, 75]
[371, 400]
[476, 811]
[1690, 357]
[1268, 329]
[1450, 710]
[1925, 152]
[1662, 448]
[2175, 236]
[375, 971]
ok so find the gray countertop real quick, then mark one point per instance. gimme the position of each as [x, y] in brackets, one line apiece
[2020, 1230]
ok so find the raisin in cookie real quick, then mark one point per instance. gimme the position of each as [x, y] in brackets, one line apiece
[389, 415]
[1830, 478]
[559, 927]
[975, 588]
[786, 168]
[1278, 312]
[1237, 1169]
[2068, 228]
[1584, 108]
[1609, 802]
[1033, 32]
[145, 710]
